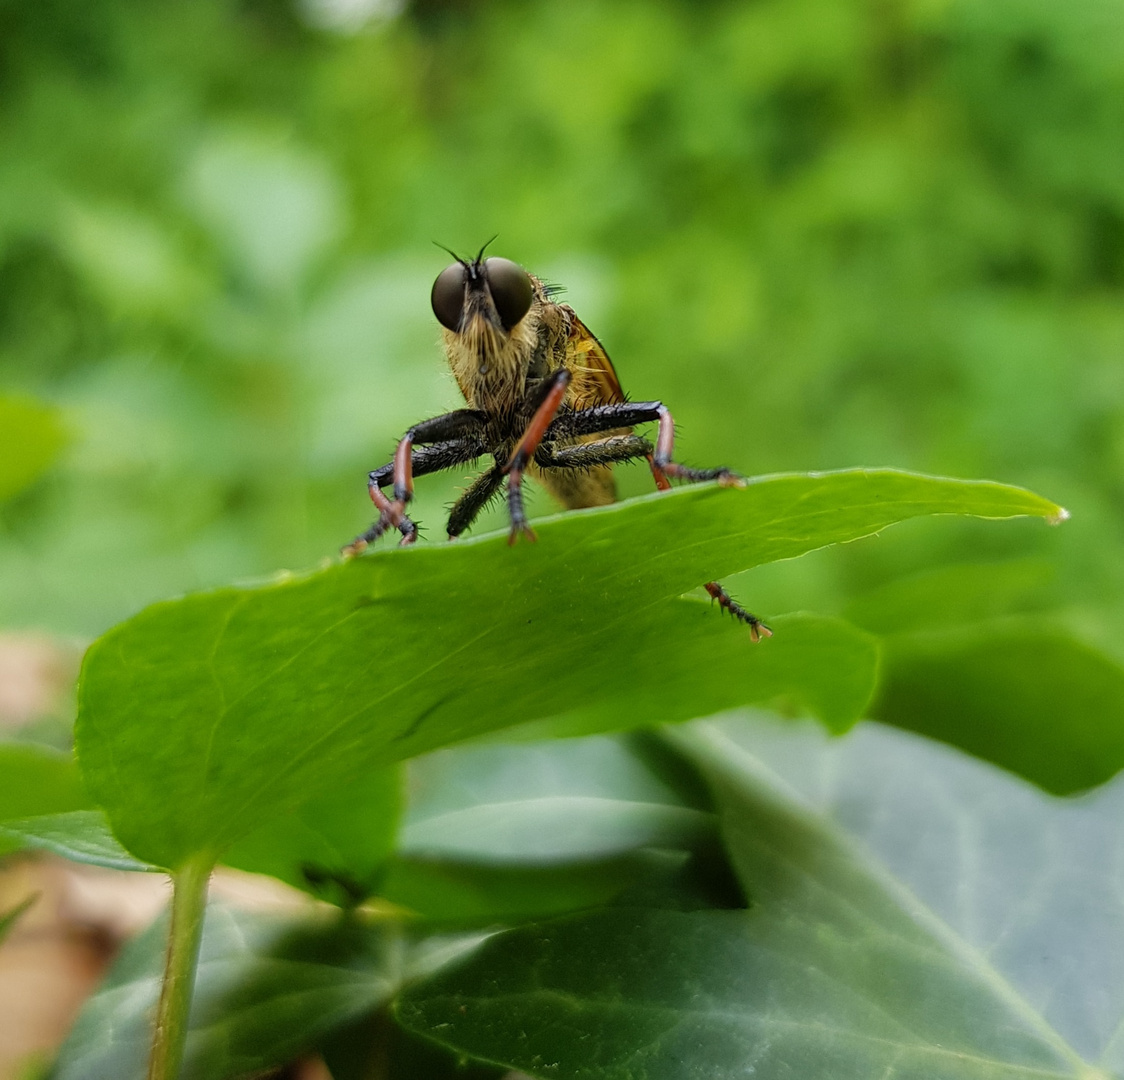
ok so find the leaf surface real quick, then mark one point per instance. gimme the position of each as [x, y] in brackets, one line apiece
[267, 988]
[79, 835]
[334, 844]
[1030, 698]
[543, 803]
[448, 892]
[37, 780]
[964, 661]
[914, 915]
[201, 718]
[507, 832]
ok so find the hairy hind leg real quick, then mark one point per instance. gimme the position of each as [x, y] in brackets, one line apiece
[608, 417]
[628, 414]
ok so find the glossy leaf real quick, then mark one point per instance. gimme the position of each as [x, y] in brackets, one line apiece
[502, 832]
[332, 845]
[376, 1046]
[965, 661]
[31, 436]
[1024, 695]
[37, 780]
[914, 914]
[80, 835]
[815, 665]
[201, 718]
[267, 989]
[543, 803]
[445, 891]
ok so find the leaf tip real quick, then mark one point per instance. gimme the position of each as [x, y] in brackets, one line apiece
[1056, 518]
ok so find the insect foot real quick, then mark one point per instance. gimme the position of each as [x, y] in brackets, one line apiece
[521, 530]
[519, 525]
[672, 469]
[356, 547]
[757, 629]
[392, 517]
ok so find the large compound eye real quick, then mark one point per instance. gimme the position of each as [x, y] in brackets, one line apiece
[511, 290]
[447, 297]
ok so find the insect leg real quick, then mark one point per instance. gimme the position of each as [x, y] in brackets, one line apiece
[465, 509]
[525, 450]
[605, 418]
[629, 414]
[454, 426]
[422, 460]
[588, 455]
[757, 629]
[663, 467]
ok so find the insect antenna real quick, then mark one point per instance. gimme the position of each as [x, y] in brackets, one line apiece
[480, 253]
[463, 262]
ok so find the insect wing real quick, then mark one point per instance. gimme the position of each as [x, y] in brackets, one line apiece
[595, 379]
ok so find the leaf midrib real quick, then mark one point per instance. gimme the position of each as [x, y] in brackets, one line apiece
[906, 900]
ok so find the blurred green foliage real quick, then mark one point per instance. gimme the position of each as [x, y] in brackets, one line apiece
[30, 440]
[827, 232]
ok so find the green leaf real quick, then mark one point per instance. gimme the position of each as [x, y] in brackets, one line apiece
[80, 835]
[203, 717]
[267, 988]
[914, 914]
[1019, 692]
[963, 661]
[493, 833]
[37, 780]
[31, 436]
[377, 1047]
[543, 803]
[948, 596]
[507, 832]
[814, 665]
[445, 891]
[333, 845]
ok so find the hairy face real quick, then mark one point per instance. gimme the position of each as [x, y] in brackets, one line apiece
[492, 312]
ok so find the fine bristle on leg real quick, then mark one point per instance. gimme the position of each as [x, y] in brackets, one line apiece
[757, 629]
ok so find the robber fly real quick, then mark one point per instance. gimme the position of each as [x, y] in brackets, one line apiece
[543, 398]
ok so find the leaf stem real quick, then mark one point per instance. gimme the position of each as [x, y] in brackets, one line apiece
[189, 901]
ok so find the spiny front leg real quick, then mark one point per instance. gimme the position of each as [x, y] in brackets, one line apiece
[387, 519]
[525, 450]
[463, 441]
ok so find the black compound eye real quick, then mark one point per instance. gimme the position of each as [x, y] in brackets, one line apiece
[511, 290]
[447, 297]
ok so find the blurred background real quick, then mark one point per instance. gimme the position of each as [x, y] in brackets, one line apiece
[827, 233]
